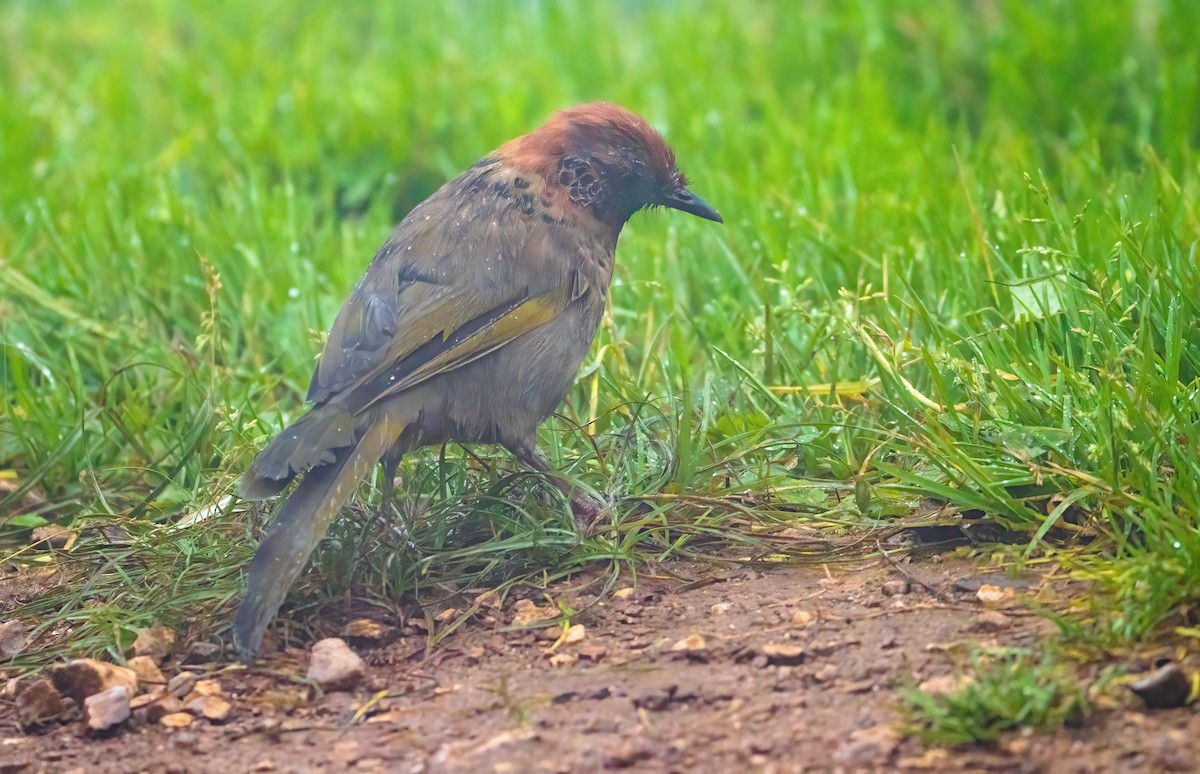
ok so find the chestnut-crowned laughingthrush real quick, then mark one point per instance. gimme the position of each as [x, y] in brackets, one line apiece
[469, 327]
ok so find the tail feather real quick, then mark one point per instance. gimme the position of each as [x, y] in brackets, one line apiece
[317, 439]
[299, 525]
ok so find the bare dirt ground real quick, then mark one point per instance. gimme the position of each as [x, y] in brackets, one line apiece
[773, 670]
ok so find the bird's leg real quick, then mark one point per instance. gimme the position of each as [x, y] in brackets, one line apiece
[585, 509]
[389, 463]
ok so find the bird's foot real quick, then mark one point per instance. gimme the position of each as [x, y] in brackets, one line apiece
[586, 510]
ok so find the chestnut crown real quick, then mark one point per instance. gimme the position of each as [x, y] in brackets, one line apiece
[608, 159]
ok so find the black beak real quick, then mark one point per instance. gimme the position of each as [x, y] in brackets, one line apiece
[686, 201]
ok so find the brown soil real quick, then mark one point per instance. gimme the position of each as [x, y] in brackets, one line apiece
[758, 691]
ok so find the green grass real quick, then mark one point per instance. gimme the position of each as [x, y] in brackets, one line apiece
[1003, 691]
[975, 223]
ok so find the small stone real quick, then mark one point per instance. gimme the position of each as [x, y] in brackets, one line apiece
[943, 684]
[154, 642]
[801, 618]
[1166, 687]
[334, 667]
[146, 699]
[528, 614]
[214, 708]
[202, 653]
[592, 652]
[575, 633]
[896, 588]
[721, 608]
[86, 677]
[181, 684]
[779, 654]
[991, 621]
[107, 709]
[693, 643]
[266, 764]
[994, 596]
[366, 633]
[204, 688]
[559, 660]
[147, 671]
[624, 593]
[176, 720]
[49, 537]
[13, 637]
[38, 701]
[156, 711]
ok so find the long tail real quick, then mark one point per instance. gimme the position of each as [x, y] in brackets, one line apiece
[300, 524]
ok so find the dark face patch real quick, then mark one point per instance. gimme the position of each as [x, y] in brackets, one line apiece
[584, 180]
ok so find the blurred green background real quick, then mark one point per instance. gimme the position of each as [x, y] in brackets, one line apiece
[958, 272]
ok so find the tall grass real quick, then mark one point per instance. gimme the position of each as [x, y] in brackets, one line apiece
[959, 263]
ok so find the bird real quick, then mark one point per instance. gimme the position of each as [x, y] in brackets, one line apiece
[469, 326]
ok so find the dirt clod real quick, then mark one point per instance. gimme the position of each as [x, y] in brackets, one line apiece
[782, 654]
[368, 633]
[37, 701]
[896, 588]
[86, 677]
[334, 667]
[13, 636]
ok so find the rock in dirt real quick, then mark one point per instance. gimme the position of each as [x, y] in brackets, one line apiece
[334, 666]
[202, 653]
[176, 720]
[107, 709]
[147, 671]
[779, 654]
[366, 633]
[213, 708]
[37, 701]
[575, 633]
[50, 537]
[1166, 687]
[154, 711]
[991, 621]
[867, 748]
[693, 643]
[943, 684]
[801, 619]
[181, 684]
[204, 688]
[528, 614]
[896, 588]
[995, 596]
[154, 642]
[13, 636]
[86, 677]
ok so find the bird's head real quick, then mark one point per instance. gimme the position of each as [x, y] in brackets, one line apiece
[607, 159]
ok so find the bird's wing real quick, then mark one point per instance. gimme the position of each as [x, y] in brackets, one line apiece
[445, 290]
